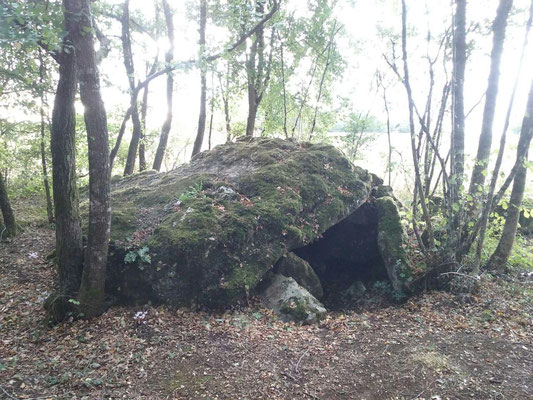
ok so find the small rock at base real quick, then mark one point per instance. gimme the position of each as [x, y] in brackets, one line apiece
[291, 302]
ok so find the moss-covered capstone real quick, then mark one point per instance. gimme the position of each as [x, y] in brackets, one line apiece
[207, 232]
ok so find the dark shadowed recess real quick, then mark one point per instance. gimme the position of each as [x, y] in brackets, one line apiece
[346, 253]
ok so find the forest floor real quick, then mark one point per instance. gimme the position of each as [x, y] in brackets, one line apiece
[436, 346]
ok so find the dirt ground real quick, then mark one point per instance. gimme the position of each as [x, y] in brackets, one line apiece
[437, 346]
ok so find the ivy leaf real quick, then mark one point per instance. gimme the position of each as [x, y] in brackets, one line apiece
[130, 257]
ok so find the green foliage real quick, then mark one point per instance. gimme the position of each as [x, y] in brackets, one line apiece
[520, 258]
[138, 254]
[192, 192]
[292, 93]
[24, 26]
[20, 157]
[359, 133]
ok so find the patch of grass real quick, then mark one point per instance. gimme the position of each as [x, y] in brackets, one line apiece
[431, 359]
[186, 382]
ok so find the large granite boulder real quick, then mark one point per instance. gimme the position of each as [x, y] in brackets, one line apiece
[207, 233]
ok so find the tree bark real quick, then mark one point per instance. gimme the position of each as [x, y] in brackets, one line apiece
[284, 87]
[120, 134]
[169, 56]
[459, 64]
[485, 139]
[130, 70]
[78, 13]
[212, 111]
[63, 147]
[255, 67]
[252, 112]
[144, 112]
[224, 93]
[134, 143]
[322, 80]
[203, 81]
[46, 183]
[499, 258]
[142, 139]
[457, 150]
[389, 154]
[10, 225]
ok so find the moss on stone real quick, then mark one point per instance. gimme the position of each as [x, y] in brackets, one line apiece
[391, 239]
[295, 308]
[123, 223]
[390, 226]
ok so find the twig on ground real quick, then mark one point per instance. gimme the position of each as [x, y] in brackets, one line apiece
[476, 278]
[296, 369]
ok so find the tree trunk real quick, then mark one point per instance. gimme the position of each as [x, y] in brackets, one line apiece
[389, 155]
[203, 81]
[142, 147]
[120, 134]
[501, 255]
[78, 13]
[10, 225]
[169, 56]
[457, 151]
[130, 70]
[227, 118]
[418, 181]
[134, 143]
[283, 86]
[63, 146]
[322, 80]
[498, 260]
[485, 139]
[144, 112]
[49, 206]
[211, 118]
[459, 65]
[252, 113]
[255, 67]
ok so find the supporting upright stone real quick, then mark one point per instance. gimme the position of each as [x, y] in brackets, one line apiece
[391, 239]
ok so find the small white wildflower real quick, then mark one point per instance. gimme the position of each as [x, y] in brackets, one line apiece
[33, 255]
[140, 317]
